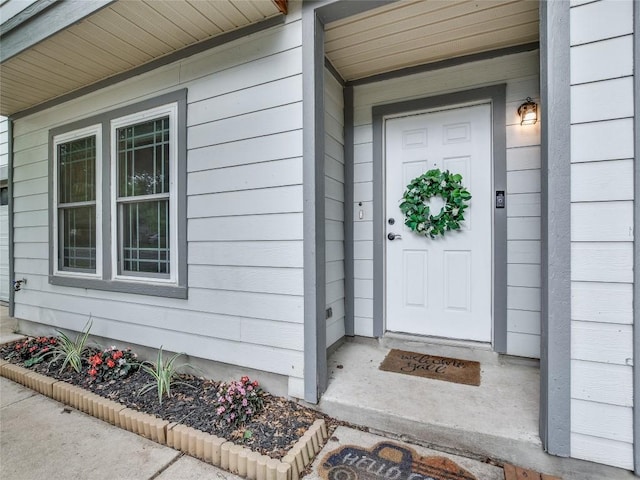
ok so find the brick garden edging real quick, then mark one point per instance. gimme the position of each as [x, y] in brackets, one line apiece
[217, 451]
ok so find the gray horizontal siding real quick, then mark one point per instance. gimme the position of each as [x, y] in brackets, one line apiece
[602, 196]
[244, 211]
[334, 207]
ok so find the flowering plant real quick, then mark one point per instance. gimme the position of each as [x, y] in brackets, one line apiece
[33, 350]
[112, 363]
[238, 400]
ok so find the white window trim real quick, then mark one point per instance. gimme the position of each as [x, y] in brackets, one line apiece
[57, 140]
[172, 111]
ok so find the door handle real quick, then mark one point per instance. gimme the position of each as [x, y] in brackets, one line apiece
[393, 236]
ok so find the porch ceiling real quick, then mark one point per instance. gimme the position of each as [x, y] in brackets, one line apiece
[115, 39]
[413, 32]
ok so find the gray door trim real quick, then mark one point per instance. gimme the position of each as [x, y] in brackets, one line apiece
[12, 292]
[497, 96]
[349, 281]
[555, 327]
[636, 242]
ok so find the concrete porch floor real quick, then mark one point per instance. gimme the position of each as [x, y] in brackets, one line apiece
[497, 420]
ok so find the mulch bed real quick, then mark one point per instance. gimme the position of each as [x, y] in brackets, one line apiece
[272, 432]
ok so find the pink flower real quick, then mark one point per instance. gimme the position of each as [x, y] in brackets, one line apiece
[244, 402]
[220, 410]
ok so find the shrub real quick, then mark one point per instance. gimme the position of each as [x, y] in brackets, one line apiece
[33, 350]
[71, 352]
[112, 363]
[164, 374]
[238, 401]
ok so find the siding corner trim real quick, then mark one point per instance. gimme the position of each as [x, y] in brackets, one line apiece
[555, 344]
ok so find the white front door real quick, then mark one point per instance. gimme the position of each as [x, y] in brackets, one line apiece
[443, 286]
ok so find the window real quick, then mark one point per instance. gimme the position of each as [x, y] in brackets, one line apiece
[4, 195]
[143, 165]
[75, 218]
[119, 200]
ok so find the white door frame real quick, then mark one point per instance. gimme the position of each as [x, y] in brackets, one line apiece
[495, 95]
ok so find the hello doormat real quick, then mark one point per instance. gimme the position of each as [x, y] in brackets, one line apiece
[388, 461]
[431, 366]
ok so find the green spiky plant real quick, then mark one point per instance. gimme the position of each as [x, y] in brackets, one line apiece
[164, 373]
[71, 352]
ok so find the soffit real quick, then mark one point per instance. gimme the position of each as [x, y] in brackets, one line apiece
[118, 38]
[414, 32]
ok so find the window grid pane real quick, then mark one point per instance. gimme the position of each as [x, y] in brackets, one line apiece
[145, 237]
[76, 170]
[77, 228]
[143, 158]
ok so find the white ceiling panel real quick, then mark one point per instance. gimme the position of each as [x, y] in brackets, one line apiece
[415, 32]
[118, 38]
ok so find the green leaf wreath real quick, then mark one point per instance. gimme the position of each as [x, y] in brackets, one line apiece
[417, 214]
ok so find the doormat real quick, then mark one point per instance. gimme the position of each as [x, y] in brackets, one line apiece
[431, 366]
[388, 461]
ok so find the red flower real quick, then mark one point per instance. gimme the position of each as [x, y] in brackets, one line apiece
[95, 360]
[93, 372]
[111, 363]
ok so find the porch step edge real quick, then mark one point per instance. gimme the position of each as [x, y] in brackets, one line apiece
[476, 445]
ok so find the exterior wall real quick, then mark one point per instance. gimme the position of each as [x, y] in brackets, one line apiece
[334, 205]
[521, 74]
[4, 215]
[245, 203]
[602, 195]
[10, 8]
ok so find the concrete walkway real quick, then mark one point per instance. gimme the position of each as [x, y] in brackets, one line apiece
[41, 438]
[8, 326]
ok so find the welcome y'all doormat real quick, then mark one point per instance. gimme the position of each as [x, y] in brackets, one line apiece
[431, 366]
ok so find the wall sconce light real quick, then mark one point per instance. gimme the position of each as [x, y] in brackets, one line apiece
[528, 112]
